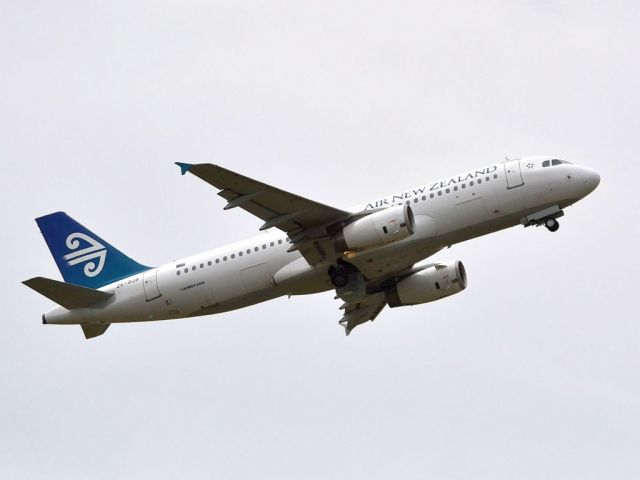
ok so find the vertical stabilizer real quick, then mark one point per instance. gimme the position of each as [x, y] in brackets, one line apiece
[84, 258]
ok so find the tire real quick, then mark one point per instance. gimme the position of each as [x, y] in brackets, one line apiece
[551, 224]
[339, 280]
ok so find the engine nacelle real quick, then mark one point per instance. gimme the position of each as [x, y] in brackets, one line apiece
[428, 285]
[379, 228]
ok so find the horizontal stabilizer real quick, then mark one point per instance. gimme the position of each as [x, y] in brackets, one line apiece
[91, 331]
[66, 294]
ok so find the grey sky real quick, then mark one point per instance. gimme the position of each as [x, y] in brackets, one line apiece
[530, 373]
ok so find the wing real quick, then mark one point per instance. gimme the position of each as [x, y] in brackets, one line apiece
[361, 312]
[304, 220]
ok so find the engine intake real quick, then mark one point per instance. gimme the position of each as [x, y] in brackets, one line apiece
[432, 283]
[379, 228]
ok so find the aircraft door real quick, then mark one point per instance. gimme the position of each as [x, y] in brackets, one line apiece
[513, 174]
[150, 281]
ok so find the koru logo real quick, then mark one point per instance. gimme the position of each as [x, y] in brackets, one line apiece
[95, 250]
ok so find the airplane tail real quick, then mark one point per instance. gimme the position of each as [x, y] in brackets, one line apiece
[71, 297]
[83, 258]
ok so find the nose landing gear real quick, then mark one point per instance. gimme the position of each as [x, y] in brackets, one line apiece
[552, 224]
[547, 217]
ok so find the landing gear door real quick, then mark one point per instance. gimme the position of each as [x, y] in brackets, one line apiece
[513, 174]
[150, 280]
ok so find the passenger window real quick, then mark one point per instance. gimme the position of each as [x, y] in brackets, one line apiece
[193, 268]
[239, 254]
[272, 244]
[464, 185]
[479, 181]
[439, 193]
[448, 190]
[177, 272]
[202, 265]
[280, 242]
[424, 197]
[415, 200]
[455, 189]
[264, 246]
[217, 260]
[209, 263]
[233, 255]
[431, 195]
[256, 249]
[486, 179]
[186, 270]
[495, 175]
[224, 259]
[471, 183]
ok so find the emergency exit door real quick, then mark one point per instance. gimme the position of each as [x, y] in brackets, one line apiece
[513, 174]
[150, 280]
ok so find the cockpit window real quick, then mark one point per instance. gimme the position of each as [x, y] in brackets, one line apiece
[554, 162]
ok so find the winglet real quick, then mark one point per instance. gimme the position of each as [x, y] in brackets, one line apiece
[184, 167]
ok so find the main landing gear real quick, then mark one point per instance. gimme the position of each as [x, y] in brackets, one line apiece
[340, 274]
[349, 283]
[339, 279]
[552, 224]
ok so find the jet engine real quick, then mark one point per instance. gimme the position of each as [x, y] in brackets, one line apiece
[379, 228]
[432, 283]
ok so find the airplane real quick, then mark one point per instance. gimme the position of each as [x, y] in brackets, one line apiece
[372, 255]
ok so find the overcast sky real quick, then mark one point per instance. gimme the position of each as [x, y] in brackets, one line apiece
[531, 373]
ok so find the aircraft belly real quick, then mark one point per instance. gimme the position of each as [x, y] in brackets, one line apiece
[256, 277]
[300, 278]
[472, 212]
[240, 301]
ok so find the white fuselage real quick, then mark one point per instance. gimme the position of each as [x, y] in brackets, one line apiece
[449, 211]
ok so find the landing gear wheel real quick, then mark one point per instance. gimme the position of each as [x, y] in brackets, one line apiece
[339, 280]
[551, 224]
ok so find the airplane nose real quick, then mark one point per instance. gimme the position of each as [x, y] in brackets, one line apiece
[590, 179]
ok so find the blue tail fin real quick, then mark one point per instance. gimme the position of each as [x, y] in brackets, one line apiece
[83, 257]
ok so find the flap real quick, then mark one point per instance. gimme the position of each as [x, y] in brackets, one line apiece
[362, 312]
